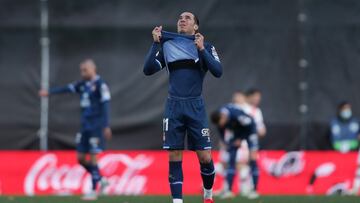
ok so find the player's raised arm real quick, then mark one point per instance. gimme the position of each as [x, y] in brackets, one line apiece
[70, 88]
[209, 56]
[154, 60]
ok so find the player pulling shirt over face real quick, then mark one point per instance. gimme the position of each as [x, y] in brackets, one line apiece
[186, 64]
[187, 59]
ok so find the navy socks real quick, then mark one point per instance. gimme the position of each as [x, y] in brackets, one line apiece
[176, 179]
[254, 173]
[207, 174]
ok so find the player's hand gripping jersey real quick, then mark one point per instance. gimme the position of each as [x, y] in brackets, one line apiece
[187, 66]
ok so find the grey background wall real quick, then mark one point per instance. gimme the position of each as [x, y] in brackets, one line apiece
[260, 43]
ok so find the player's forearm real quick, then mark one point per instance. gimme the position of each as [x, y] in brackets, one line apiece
[152, 65]
[212, 64]
[106, 114]
[60, 90]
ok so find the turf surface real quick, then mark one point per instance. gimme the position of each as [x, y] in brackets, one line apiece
[188, 199]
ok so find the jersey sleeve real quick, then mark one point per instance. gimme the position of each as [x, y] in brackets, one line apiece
[211, 60]
[259, 120]
[154, 60]
[70, 88]
[105, 98]
[225, 111]
[75, 86]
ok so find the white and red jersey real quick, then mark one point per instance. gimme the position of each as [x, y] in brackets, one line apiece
[255, 113]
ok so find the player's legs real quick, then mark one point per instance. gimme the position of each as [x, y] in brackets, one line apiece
[174, 135]
[207, 171]
[176, 175]
[231, 168]
[81, 157]
[242, 166]
[94, 171]
[253, 146]
[223, 158]
[199, 141]
[220, 167]
[90, 142]
[82, 148]
[254, 168]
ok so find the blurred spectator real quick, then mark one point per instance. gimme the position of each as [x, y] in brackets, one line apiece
[345, 132]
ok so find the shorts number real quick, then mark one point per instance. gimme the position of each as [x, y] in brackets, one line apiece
[165, 124]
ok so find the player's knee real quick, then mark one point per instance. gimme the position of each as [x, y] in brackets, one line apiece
[204, 156]
[205, 159]
[175, 155]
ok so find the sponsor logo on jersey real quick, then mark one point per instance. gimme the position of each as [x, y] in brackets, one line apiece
[205, 132]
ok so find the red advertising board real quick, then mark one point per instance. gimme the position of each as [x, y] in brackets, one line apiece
[145, 172]
[315, 172]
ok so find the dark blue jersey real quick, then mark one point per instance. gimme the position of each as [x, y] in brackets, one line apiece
[239, 124]
[94, 101]
[187, 66]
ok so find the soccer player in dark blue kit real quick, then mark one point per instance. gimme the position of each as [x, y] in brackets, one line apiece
[187, 59]
[234, 126]
[94, 101]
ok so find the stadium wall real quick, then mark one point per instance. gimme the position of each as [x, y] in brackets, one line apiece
[257, 40]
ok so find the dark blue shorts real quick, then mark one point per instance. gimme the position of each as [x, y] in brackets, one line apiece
[90, 141]
[186, 117]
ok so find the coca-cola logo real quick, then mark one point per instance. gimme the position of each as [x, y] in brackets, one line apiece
[46, 175]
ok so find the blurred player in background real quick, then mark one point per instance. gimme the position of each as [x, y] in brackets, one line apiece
[245, 181]
[188, 58]
[237, 127]
[94, 101]
[250, 105]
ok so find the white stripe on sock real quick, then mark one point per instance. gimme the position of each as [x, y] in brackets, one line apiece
[208, 174]
[175, 183]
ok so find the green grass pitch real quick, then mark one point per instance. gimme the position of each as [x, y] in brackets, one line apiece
[187, 199]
